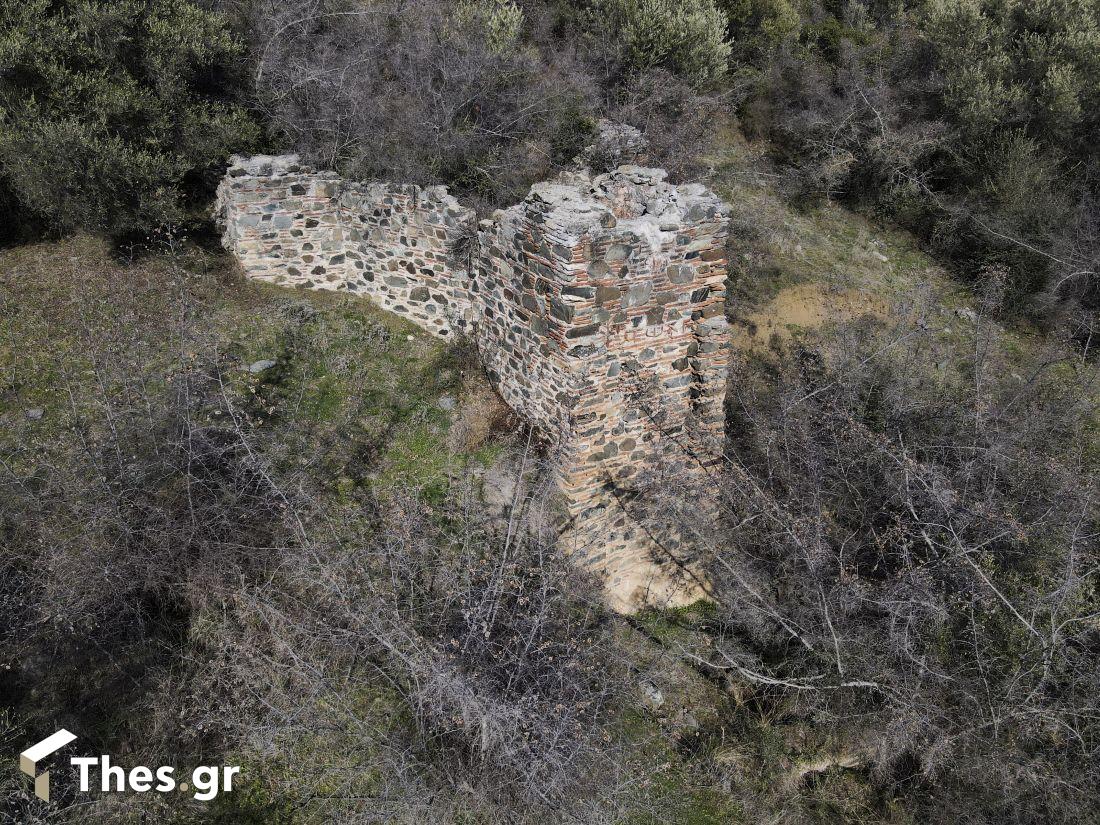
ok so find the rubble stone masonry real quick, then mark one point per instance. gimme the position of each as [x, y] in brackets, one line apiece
[401, 246]
[597, 305]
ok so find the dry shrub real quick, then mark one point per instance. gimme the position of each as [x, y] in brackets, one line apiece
[481, 416]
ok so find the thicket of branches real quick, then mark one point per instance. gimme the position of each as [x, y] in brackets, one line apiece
[973, 124]
[487, 96]
[908, 560]
[178, 583]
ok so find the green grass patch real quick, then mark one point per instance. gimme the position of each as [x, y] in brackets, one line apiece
[353, 391]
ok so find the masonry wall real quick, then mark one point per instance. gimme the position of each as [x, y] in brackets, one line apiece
[282, 220]
[407, 248]
[603, 321]
[597, 305]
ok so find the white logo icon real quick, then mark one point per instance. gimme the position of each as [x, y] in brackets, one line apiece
[29, 759]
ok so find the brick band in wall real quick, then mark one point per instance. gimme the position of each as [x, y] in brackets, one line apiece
[603, 322]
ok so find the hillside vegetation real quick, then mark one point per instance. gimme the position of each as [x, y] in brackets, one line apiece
[284, 530]
[215, 491]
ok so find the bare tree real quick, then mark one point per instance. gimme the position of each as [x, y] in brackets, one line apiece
[417, 91]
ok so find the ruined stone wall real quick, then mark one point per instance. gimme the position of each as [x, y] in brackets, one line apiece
[603, 321]
[408, 248]
[597, 305]
[282, 220]
[405, 247]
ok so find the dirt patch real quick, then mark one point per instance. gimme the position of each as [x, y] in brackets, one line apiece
[800, 307]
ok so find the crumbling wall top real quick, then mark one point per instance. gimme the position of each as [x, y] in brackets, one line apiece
[264, 166]
[629, 198]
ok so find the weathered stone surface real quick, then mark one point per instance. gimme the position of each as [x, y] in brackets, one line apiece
[592, 303]
[275, 214]
[637, 295]
[620, 242]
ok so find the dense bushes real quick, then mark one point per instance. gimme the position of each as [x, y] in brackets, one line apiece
[688, 38]
[974, 124]
[1027, 66]
[112, 111]
[757, 26]
[196, 558]
[486, 97]
[461, 667]
[907, 573]
[118, 113]
[420, 91]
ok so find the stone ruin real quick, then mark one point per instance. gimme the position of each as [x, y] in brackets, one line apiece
[404, 247]
[597, 306]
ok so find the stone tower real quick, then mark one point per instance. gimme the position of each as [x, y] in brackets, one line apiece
[602, 305]
[597, 305]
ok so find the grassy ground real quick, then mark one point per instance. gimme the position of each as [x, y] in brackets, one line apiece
[778, 246]
[793, 271]
[349, 377]
[358, 399]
